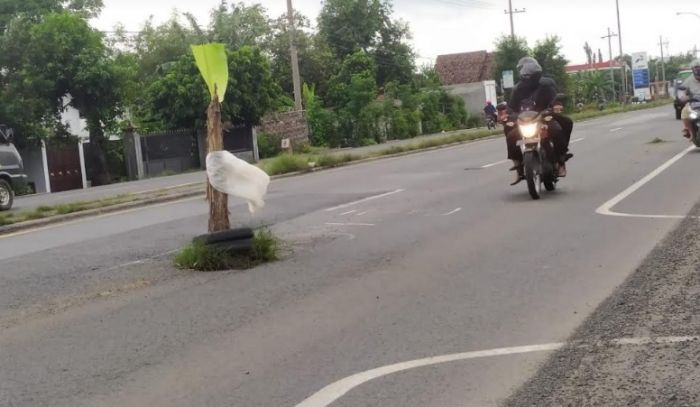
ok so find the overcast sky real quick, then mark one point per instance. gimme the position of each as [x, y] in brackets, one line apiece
[449, 26]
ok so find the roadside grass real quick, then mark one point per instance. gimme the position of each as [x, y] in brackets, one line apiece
[198, 256]
[314, 158]
[591, 114]
[46, 211]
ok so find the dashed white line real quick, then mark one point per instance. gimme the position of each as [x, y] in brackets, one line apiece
[578, 140]
[348, 212]
[615, 130]
[363, 213]
[335, 391]
[452, 212]
[606, 208]
[494, 164]
[363, 200]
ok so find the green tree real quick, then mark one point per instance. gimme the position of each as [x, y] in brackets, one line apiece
[393, 56]
[548, 53]
[65, 59]
[316, 61]
[32, 10]
[239, 25]
[349, 26]
[509, 51]
[158, 45]
[178, 99]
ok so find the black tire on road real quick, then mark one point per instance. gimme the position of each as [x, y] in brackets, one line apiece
[226, 236]
[7, 195]
[531, 164]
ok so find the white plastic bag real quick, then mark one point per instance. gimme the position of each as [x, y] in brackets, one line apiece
[233, 176]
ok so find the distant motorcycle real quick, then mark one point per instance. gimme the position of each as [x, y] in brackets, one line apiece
[491, 121]
[695, 121]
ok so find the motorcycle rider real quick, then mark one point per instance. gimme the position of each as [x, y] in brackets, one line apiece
[536, 93]
[490, 111]
[692, 89]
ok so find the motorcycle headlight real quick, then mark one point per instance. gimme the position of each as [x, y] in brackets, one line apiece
[528, 130]
[694, 115]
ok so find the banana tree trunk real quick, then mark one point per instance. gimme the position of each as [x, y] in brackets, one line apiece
[218, 201]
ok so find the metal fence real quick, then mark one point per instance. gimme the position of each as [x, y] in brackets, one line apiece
[170, 152]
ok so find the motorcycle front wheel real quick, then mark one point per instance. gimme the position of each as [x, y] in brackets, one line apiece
[531, 165]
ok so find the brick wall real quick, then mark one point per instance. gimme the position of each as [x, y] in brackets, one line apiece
[290, 125]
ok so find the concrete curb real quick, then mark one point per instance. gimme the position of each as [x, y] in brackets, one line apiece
[38, 223]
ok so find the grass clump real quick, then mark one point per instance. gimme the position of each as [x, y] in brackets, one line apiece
[199, 256]
[285, 164]
[657, 140]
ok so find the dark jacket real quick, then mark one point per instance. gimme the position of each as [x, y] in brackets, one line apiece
[537, 98]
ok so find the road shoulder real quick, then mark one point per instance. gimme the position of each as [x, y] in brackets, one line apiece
[660, 300]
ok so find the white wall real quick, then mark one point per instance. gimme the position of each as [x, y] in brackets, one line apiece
[474, 95]
[34, 168]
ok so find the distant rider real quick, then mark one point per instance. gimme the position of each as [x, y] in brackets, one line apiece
[692, 89]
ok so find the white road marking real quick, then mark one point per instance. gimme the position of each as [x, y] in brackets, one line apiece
[615, 130]
[363, 200]
[362, 213]
[335, 391]
[606, 208]
[578, 140]
[494, 164]
[451, 212]
[348, 212]
[349, 224]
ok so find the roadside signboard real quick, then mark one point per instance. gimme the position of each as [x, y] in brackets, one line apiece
[640, 75]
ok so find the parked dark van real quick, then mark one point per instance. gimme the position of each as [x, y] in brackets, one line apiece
[12, 175]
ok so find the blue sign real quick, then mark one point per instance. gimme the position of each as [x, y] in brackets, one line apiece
[641, 78]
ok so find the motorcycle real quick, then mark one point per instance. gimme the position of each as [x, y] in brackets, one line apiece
[695, 120]
[540, 163]
[491, 121]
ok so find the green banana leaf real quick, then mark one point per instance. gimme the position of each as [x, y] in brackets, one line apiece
[213, 65]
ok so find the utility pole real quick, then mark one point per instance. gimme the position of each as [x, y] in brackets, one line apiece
[296, 79]
[510, 12]
[612, 71]
[622, 55]
[663, 63]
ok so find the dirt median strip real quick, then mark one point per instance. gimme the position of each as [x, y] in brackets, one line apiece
[660, 299]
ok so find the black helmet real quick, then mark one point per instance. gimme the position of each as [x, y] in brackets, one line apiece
[530, 71]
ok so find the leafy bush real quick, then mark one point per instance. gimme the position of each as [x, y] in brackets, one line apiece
[284, 164]
[269, 145]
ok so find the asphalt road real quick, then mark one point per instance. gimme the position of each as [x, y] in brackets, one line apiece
[29, 202]
[391, 261]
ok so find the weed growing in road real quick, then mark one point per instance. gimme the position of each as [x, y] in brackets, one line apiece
[657, 141]
[199, 256]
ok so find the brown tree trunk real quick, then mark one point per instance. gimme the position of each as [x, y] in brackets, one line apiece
[218, 201]
[100, 169]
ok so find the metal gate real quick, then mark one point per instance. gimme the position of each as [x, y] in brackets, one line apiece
[64, 167]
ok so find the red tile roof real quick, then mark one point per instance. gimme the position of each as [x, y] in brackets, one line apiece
[592, 67]
[466, 67]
